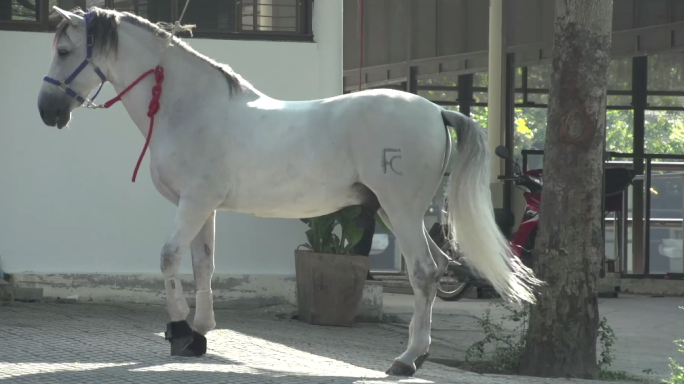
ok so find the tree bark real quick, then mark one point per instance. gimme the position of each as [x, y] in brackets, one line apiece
[561, 340]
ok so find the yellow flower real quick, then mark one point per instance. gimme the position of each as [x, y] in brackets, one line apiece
[523, 128]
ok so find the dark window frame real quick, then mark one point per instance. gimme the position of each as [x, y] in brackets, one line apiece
[304, 26]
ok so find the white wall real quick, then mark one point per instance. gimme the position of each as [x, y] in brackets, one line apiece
[67, 204]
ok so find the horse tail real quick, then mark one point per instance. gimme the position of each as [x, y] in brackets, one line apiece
[470, 214]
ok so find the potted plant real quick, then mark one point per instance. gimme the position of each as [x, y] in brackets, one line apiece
[330, 279]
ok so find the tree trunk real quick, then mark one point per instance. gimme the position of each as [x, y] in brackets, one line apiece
[561, 340]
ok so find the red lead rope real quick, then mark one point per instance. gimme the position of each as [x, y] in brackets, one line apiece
[152, 110]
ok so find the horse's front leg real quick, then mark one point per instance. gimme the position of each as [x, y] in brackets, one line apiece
[191, 216]
[202, 249]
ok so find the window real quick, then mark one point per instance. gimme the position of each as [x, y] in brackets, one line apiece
[21, 14]
[19, 11]
[152, 10]
[217, 19]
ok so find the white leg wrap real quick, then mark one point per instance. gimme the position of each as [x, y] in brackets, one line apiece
[204, 300]
[175, 300]
[204, 312]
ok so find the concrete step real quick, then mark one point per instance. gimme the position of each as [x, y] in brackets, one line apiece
[10, 292]
[6, 292]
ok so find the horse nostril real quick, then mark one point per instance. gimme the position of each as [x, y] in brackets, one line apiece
[42, 113]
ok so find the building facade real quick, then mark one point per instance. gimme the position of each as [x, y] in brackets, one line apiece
[72, 222]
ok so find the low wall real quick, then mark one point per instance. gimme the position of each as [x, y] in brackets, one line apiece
[653, 287]
[230, 291]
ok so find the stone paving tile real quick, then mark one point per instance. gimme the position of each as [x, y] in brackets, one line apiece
[123, 343]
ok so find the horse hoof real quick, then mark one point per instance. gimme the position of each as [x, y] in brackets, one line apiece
[399, 368]
[402, 369]
[184, 341]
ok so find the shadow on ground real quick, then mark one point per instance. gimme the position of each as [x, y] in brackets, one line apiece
[124, 343]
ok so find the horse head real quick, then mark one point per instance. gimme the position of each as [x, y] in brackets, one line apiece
[73, 73]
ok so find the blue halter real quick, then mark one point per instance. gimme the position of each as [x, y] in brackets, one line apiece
[64, 85]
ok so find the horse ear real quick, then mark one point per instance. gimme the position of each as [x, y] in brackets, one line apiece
[72, 18]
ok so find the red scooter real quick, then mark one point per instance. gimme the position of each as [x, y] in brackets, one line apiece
[522, 242]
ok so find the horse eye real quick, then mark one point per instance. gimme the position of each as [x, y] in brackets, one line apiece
[62, 52]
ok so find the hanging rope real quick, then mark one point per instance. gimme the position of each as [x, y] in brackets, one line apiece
[177, 27]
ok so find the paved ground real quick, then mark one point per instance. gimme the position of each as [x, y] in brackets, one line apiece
[121, 343]
[645, 328]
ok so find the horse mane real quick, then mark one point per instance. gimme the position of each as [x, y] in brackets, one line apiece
[104, 28]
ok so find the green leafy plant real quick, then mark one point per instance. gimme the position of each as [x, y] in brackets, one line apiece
[321, 238]
[508, 343]
[607, 338]
[676, 370]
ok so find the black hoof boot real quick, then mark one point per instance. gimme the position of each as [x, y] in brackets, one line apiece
[184, 341]
[421, 359]
[399, 368]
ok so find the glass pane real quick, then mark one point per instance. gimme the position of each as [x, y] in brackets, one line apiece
[270, 15]
[619, 101]
[628, 257]
[385, 253]
[210, 15]
[666, 250]
[611, 244]
[54, 18]
[629, 267]
[480, 114]
[620, 75]
[666, 235]
[530, 133]
[665, 247]
[518, 77]
[665, 101]
[666, 194]
[619, 130]
[153, 10]
[72, 4]
[664, 132]
[132, 6]
[450, 94]
[480, 97]
[539, 77]
[19, 10]
[439, 95]
[480, 80]
[666, 72]
[538, 98]
[447, 81]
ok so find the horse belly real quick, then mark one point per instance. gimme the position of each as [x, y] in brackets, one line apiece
[293, 200]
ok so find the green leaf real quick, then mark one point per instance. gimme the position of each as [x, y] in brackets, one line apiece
[321, 237]
[379, 220]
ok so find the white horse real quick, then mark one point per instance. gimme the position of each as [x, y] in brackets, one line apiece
[219, 143]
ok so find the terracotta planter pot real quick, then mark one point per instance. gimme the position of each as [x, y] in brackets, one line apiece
[329, 287]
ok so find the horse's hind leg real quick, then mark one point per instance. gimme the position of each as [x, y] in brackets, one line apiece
[202, 249]
[440, 258]
[423, 274]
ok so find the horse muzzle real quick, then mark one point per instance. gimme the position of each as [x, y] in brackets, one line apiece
[55, 111]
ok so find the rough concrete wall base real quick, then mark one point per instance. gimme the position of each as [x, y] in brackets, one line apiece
[230, 291]
[653, 287]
